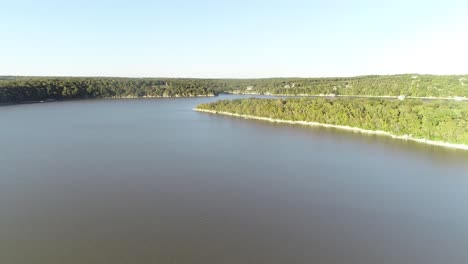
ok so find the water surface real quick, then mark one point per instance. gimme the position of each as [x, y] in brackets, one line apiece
[151, 181]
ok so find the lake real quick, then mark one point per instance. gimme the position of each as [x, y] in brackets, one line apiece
[151, 181]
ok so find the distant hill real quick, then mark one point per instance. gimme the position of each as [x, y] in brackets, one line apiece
[387, 85]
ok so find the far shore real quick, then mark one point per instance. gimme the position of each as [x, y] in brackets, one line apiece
[157, 96]
[354, 129]
[91, 98]
[455, 98]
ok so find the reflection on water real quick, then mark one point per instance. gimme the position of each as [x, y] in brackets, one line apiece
[151, 181]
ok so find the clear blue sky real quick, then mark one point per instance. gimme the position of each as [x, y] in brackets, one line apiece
[214, 38]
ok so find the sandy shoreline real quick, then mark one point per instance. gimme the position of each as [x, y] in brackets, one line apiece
[354, 129]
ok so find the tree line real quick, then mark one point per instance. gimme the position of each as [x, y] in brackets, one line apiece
[36, 88]
[19, 89]
[434, 120]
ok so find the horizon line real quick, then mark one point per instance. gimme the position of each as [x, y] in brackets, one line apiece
[226, 78]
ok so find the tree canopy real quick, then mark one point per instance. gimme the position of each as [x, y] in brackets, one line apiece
[36, 88]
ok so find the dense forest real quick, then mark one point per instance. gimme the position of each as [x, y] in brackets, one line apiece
[392, 85]
[23, 89]
[434, 120]
[20, 89]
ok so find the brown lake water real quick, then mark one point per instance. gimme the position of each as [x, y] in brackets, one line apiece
[151, 181]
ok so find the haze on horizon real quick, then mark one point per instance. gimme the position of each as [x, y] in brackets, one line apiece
[235, 39]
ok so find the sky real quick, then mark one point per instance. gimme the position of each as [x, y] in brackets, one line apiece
[232, 39]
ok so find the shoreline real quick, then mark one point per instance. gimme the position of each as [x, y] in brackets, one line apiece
[349, 128]
[94, 98]
[155, 96]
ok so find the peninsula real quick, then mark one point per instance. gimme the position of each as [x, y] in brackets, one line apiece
[438, 123]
